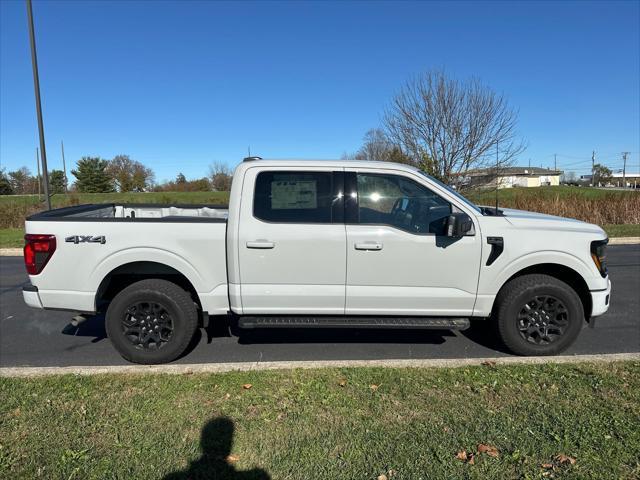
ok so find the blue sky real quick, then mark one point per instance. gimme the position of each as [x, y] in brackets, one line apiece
[179, 85]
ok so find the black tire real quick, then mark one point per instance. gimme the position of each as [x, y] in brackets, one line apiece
[555, 326]
[159, 318]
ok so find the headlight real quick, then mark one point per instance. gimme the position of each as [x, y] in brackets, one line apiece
[599, 255]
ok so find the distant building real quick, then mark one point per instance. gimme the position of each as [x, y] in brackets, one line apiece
[618, 179]
[513, 177]
[632, 179]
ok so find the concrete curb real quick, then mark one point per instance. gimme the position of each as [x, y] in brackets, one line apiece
[10, 252]
[177, 369]
[624, 240]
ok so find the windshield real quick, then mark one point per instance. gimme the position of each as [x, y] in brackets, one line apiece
[453, 192]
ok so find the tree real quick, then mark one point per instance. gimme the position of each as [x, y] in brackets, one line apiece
[569, 178]
[5, 184]
[57, 181]
[22, 182]
[601, 174]
[198, 185]
[129, 175]
[448, 127]
[92, 176]
[398, 156]
[181, 178]
[376, 145]
[220, 176]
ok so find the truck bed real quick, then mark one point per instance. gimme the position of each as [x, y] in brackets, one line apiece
[134, 212]
[99, 240]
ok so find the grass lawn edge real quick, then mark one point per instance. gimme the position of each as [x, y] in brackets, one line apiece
[576, 420]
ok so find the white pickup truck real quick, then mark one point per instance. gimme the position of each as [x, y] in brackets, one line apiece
[319, 244]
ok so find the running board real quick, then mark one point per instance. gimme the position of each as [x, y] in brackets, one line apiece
[275, 321]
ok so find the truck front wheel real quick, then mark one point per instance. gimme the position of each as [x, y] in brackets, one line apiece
[538, 315]
[151, 321]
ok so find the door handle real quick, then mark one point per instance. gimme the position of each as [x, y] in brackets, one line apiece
[265, 244]
[368, 246]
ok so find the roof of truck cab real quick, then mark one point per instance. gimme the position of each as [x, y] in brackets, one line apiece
[271, 162]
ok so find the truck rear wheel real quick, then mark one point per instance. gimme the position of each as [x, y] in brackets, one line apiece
[538, 315]
[151, 321]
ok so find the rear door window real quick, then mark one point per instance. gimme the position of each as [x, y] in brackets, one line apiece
[294, 197]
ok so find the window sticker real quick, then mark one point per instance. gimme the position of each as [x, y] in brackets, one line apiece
[293, 194]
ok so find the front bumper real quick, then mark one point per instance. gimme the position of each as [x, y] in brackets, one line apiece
[600, 300]
[31, 296]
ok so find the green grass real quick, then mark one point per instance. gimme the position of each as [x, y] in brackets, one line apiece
[507, 195]
[11, 237]
[15, 208]
[305, 424]
[130, 197]
[622, 230]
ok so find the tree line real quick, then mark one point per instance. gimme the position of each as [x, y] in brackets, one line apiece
[120, 174]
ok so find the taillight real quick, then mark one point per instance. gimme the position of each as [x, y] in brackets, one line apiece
[599, 255]
[38, 249]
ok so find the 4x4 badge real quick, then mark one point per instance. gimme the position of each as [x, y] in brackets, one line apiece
[86, 239]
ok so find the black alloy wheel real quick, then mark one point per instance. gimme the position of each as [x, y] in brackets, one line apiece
[147, 325]
[543, 320]
[537, 314]
[152, 321]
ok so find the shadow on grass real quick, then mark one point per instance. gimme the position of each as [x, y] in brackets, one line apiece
[216, 441]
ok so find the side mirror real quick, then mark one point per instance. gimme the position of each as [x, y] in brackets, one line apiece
[458, 225]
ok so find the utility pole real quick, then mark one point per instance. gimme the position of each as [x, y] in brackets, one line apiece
[64, 167]
[593, 162]
[555, 162]
[624, 169]
[38, 164]
[497, 177]
[36, 86]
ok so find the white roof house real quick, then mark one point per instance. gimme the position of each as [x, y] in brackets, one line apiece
[515, 177]
[631, 178]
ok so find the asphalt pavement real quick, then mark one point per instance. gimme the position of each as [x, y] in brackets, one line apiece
[31, 337]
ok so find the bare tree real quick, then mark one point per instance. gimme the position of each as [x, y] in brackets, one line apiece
[376, 145]
[22, 182]
[569, 178]
[448, 127]
[220, 176]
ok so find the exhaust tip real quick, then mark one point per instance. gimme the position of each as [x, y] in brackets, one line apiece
[78, 319]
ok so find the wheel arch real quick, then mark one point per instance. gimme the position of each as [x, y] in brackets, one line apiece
[126, 274]
[561, 272]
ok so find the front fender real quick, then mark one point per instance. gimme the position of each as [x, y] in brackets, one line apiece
[492, 282]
